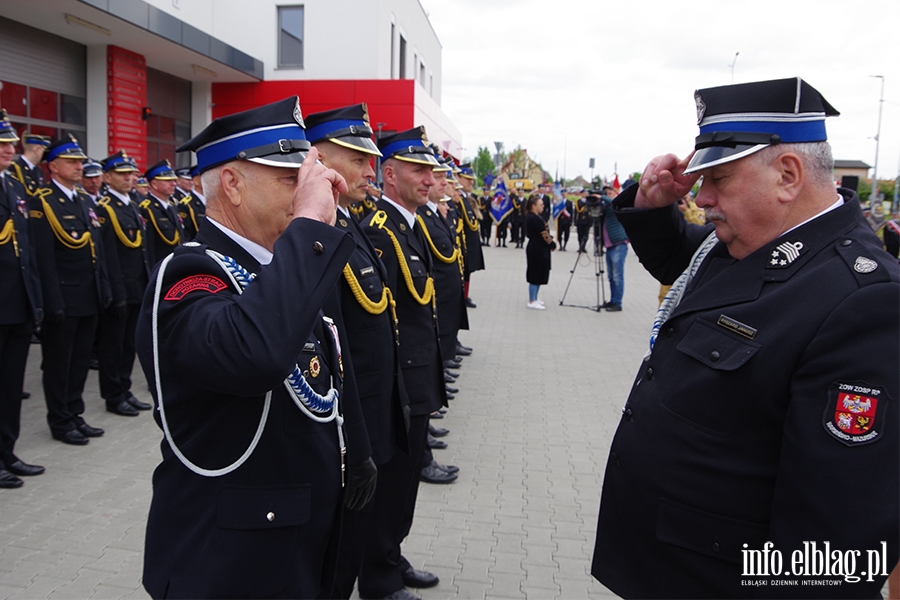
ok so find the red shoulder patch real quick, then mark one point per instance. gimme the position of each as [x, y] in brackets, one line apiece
[206, 283]
[855, 412]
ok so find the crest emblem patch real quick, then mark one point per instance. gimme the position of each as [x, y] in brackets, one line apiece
[854, 412]
[315, 367]
[864, 265]
[701, 107]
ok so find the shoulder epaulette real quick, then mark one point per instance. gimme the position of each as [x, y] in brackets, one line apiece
[144, 204]
[42, 193]
[104, 201]
[187, 199]
[379, 219]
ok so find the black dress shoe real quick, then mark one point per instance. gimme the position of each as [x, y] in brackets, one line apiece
[26, 395]
[415, 578]
[137, 403]
[463, 350]
[452, 364]
[88, 431]
[470, 304]
[449, 397]
[451, 390]
[614, 308]
[449, 373]
[23, 469]
[402, 594]
[442, 410]
[94, 364]
[436, 444]
[437, 431]
[436, 415]
[123, 408]
[445, 468]
[448, 378]
[73, 437]
[9, 481]
[432, 474]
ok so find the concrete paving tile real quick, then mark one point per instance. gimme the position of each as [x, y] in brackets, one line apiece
[8, 590]
[41, 587]
[539, 556]
[506, 585]
[480, 549]
[111, 560]
[536, 592]
[474, 570]
[473, 590]
[506, 562]
[105, 592]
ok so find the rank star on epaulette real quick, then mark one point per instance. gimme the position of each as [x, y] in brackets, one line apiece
[785, 254]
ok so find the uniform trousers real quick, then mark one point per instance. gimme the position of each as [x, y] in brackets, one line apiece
[14, 343]
[395, 499]
[66, 349]
[115, 351]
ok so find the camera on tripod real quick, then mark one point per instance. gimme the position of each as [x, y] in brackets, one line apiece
[592, 205]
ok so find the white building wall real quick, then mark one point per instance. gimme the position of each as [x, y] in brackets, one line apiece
[96, 98]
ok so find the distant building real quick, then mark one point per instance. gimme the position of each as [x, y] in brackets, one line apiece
[851, 168]
[146, 75]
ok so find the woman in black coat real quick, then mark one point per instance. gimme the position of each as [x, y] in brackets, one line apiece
[540, 244]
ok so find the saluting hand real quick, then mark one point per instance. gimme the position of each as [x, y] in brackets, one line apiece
[317, 191]
[663, 182]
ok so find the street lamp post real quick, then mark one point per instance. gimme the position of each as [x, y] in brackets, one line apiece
[874, 196]
[732, 66]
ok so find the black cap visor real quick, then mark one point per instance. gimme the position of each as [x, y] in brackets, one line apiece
[358, 143]
[422, 159]
[286, 153]
[719, 155]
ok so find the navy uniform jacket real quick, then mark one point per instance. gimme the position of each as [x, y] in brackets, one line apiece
[20, 294]
[451, 303]
[373, 366]
[420, 356]
[31, 178]
[165, 231]
[192, 212]
[129, 267]
[765, 413]
[264, 529]
[72, 279]
[471, 231]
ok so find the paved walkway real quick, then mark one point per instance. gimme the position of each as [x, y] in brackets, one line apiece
[530, 429]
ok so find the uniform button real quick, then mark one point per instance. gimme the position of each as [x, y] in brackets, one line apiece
[270, 517]
[846, 242]
[318, 248]
[306, 373]
[714, 355]
[715, 546]
[628, 414]
[650, 373]
[670, 331]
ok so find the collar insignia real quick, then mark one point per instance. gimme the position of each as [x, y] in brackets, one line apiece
[785, 254]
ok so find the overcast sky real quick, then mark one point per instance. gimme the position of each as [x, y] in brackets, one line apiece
[575, 79]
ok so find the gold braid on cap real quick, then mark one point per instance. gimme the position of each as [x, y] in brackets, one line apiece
[428, 294]
[117, 227]
[447, 259]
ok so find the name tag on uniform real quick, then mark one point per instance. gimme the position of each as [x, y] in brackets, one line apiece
[413, 257]
[367, 271]
[68, 216]
[736, 326]
[309, 347]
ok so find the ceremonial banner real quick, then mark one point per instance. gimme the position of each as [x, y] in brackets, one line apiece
[559, 201]
[501, 205]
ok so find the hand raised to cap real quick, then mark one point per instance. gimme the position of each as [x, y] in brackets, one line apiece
[317, 191]
[663, 183]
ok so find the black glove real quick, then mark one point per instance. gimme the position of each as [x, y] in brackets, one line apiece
[361, 480]
[117, 309]
[55, 318]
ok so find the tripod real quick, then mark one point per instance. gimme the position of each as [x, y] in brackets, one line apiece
[599, 261]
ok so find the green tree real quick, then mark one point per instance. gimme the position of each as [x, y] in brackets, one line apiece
[482, 164]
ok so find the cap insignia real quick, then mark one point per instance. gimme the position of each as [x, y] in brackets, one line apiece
[298, 116]
[701, 107]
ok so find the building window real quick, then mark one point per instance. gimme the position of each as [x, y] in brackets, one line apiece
[290, 37]
[44, 112]
[422, 75]
[392, 50]
[402, 58]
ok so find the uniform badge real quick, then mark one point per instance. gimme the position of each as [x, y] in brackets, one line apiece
[22, 206]
[854, 412]
[342, 222]
[315, 367]
[785, 254]
[864, 265]
[205, 283]
[94, 220]
[402, 227]
[298, 116]
[701, 107]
